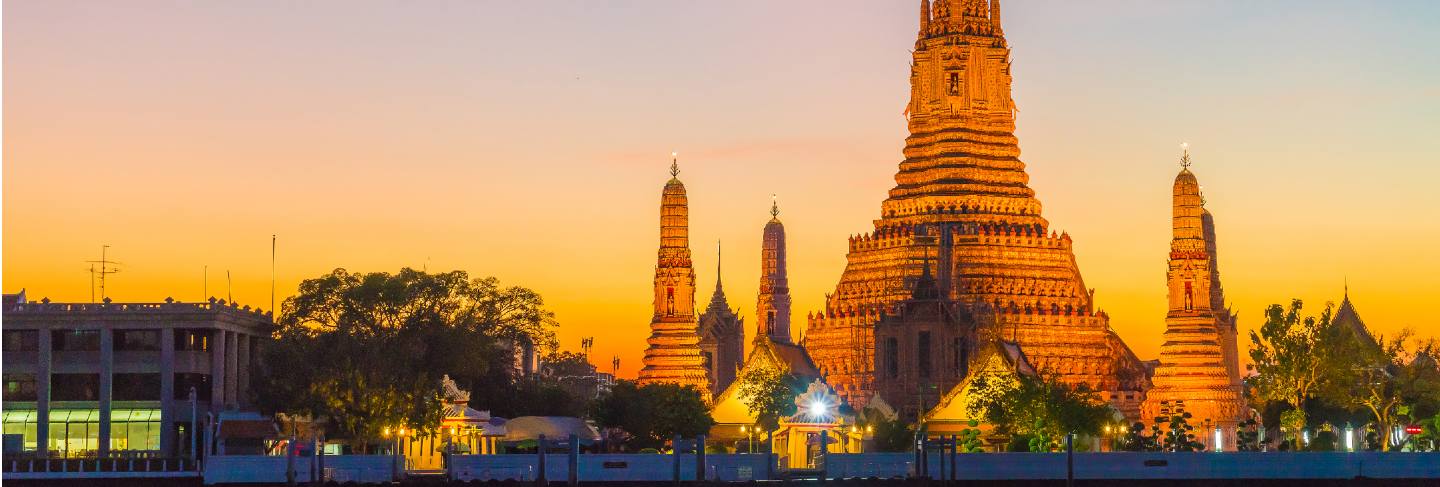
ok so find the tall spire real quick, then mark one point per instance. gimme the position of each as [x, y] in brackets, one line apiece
[674, 164]
[924, 17]
[673, 352]
[1185, 155]
[718, 292]
[995, 17]
[773, 309]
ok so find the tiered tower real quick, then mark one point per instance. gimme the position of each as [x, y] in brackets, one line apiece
[1199, 369]
[963, 190]
[722, 337]
[773, 307]
[673, 354]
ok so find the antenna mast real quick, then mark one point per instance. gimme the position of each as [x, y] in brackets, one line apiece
[105, 269]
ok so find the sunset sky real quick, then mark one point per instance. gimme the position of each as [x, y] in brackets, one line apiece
[530, 141]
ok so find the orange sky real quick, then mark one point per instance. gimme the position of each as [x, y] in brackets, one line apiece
[530, 141]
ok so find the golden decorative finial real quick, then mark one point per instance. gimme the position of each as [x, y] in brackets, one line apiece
[1185, 155]
[674, 164]
[774, 206]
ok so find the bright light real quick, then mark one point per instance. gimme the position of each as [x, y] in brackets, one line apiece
[817, 409]
[1305, 435]
[1349, 439]
[386, 432]
[1219, 441]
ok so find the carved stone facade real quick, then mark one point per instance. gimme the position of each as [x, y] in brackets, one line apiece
[772, 308]
[961, 200]
[1199, 369]
[673, 352]
[722, 338]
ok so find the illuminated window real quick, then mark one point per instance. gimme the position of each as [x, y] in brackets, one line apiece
[23, 423]
[192, 340]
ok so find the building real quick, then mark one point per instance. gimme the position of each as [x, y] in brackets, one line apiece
[961, 201]
[722, 337]
[673, 351]
[772, 307]
[111, 379]
[1199, 369]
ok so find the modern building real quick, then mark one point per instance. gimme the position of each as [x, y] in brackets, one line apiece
[115, 379]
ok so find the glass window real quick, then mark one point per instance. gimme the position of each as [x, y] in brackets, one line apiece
[75, 387]
[20, 387]
[74, 432]
[135, 429]
[23, 423]
[136, 387]
[22, 340]
[192, 340]
[183, 383]
[137, 340]
[75, 340]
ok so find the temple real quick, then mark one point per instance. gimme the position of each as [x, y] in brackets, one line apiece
[773, 306]
[722, 337]
[673, 351]
[1199, 369]
[961, 254]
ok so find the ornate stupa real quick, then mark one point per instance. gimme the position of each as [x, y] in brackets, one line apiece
[722, 336]
[1199, 369]
[961, 202]
[673, 352]
[772, 308]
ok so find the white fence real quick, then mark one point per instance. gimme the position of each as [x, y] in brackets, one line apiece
[1130, 465]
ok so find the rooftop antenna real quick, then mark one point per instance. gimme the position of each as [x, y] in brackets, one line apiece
[230, 298]
[105, 269]
[205, 287]
[272, 275]
[92, 283]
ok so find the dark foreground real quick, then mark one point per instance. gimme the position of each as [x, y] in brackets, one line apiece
[834, 483]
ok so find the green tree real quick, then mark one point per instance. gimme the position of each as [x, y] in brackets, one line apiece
[365, 352]
[769, 393]
[969, 439]
[892, 435]
[1042, 409]
[1136, 440]
[1384, 379]
[1293, 356]
[650, 415]
[1177, 435]
[1247, 436]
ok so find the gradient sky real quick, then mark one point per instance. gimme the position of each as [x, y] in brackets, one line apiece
[530, 141]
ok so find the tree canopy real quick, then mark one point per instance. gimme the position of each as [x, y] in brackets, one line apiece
[367, 351]
[652, 414]
[1042, 409]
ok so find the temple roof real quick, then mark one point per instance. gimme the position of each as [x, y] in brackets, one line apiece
[1349, 319]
